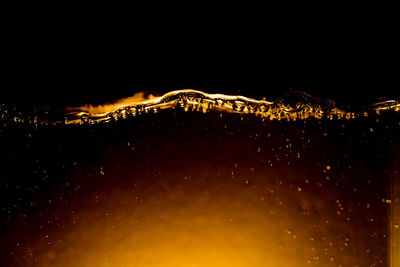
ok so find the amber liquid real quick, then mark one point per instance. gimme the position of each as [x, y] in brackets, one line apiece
[200, 181]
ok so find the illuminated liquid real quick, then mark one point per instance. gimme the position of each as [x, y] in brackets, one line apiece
[187, 188]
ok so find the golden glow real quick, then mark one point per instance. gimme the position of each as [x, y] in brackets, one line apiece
[198, 222]
[137, 98]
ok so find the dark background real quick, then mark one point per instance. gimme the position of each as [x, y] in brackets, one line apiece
[71, 84]
[351, 56]
[62, 80]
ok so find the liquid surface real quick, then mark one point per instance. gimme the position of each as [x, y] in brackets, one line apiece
[297, 105]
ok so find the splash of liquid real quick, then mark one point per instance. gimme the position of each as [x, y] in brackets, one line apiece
[299, 105]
